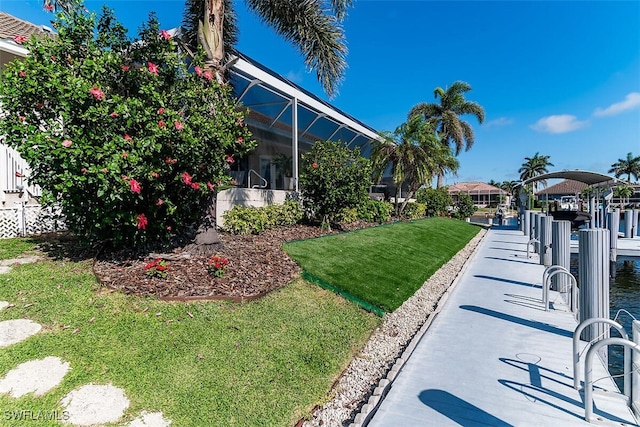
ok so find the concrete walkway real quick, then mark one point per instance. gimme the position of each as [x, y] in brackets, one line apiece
[493, 356]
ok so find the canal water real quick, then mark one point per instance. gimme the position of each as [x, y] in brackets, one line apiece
[624, 303]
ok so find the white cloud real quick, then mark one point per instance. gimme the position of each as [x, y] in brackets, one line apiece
[630, 102]
[295, 76]
[560, 123]
[500, 121]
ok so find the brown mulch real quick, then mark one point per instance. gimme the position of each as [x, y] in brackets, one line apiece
[257, 265]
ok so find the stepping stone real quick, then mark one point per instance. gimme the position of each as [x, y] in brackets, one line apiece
[95, 404]
[3, 305]
[5, 264]
[153, 419]
[16, 330]
[36, 376]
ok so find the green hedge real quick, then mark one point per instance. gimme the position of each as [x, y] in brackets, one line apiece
[251, 220]
[414, 210]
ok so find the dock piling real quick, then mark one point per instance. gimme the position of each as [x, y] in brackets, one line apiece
[545, 239]
[560, 252]
[593, 268]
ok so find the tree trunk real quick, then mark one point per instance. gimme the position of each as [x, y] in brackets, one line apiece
[213, 36]
[440, 178]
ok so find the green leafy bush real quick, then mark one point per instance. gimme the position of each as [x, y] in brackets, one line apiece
[375, 211]
[252, 220]
[436, 200]
[414, 210]
[129, 137]
[333, 178]
[464, 207]
[348, 215]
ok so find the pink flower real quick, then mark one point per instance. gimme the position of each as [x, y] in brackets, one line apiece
[230, 159]
[198, 70]
[153, 68]
[207, 75]
[113, 115]
[103, 170]
[314, 165]
[22, 118]
[160, 124]
[195, 185]
[66, 143]
[142, 221]
[97, 93]
[159, 202]
[210, 185]
[125, 154]
[155, 174]
[19, 39]
[160, 110]
[83, 170]
[127, 137]
[125, 67]
[169, 228]
[170, 161]
[186, 178]
[233, 182]
[165, 34]
[178, 125]
[49, 8]
[239, 122]
[135, 186]
[22, 74]
[240, 140]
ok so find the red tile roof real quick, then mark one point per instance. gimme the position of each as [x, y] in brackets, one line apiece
[475, 188]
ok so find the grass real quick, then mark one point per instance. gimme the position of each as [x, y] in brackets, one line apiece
[262, 363]
[383, 265]
[11, 248]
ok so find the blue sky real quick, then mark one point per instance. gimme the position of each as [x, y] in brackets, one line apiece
[561, 78]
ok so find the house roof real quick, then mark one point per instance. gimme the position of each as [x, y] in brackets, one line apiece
[568, 187]
[475, 188]
[11, 26]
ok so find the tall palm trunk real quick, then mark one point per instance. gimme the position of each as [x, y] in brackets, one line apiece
[210, 36]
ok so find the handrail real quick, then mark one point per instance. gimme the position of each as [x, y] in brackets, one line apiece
[576, 351]
[588, 371]
[548, 269]
[573, 284]
[259, 176]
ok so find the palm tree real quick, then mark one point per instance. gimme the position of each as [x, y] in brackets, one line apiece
[534, 166]
[629, 166]
[414, 153]
[445, 116]
[312, 26]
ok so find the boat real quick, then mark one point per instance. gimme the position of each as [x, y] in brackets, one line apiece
[577, 218]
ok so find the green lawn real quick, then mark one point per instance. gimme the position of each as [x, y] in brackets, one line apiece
[383, 265]
[266, 362]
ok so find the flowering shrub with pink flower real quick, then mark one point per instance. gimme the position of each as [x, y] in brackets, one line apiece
[110, 126]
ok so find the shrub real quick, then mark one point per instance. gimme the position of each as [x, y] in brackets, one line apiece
[375, 211]
[348, 215]
[464, 207]
[436, 200]
[333, 178]
[414, 210]
[129, 137]
[252, 220]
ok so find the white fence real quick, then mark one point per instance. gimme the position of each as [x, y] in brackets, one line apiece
[25, 220]
[11, 164]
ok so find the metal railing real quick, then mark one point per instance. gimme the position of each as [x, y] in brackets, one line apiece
[549, 273]
[264, 183]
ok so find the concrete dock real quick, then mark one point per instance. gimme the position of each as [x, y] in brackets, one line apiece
[494, 357]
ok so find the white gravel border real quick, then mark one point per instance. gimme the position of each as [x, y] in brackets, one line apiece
[364, 383]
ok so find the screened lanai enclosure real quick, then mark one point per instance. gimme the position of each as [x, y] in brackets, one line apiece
[286, 120]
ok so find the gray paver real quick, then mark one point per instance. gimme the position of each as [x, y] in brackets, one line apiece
[493, 356]
[16, 330]
[35, 376]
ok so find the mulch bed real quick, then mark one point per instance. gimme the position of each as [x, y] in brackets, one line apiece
[257, 265]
